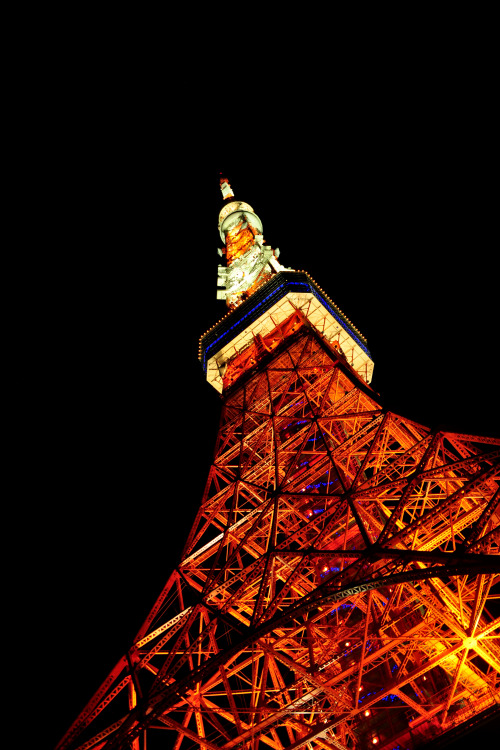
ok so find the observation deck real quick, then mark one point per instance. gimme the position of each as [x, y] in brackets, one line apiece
[267, 308]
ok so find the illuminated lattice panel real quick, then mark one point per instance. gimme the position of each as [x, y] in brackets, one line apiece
[296, 291]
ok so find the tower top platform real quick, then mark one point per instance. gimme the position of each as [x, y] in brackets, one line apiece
[234, 211]
[271, 304]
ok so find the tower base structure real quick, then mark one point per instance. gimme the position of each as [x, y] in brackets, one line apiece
[340, 584]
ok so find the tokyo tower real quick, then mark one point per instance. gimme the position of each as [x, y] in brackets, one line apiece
[339, 587]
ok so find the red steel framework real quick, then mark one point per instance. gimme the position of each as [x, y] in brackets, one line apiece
[339, 587]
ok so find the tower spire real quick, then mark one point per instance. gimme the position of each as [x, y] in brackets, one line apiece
[225, 187]
[249, 262]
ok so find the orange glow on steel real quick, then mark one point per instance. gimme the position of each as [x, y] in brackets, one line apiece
[247, 358]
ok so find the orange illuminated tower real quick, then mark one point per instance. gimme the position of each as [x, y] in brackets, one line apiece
[339, 587]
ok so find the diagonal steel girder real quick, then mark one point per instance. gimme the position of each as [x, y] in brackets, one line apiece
[139, 719]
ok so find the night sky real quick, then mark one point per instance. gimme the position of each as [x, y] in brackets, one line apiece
[400, 233]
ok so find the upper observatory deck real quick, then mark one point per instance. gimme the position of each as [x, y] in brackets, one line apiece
[269, 306]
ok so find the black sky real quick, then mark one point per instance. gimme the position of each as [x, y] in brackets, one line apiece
[401, 235]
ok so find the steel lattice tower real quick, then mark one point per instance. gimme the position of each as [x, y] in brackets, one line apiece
[339, 584]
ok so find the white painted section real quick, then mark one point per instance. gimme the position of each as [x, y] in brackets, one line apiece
[318, 316]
